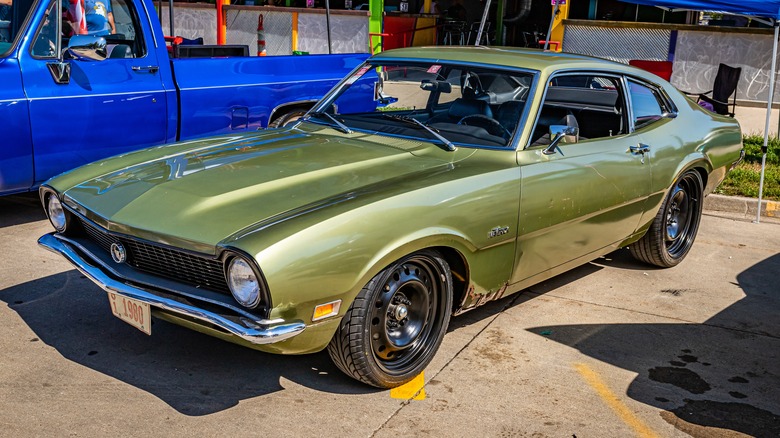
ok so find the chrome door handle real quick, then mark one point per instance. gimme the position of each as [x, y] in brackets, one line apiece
[639, 149]
[148, 68]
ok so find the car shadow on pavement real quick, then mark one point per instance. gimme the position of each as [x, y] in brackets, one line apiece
[492, 309]
[193, 373]
[710, 379]
[20, 209]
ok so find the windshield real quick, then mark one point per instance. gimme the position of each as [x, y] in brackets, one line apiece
[450, 105]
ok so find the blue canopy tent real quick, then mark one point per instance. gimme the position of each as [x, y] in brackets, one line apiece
[766, 9]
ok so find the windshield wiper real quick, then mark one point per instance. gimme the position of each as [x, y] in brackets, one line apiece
[342, 127]
[447, 145]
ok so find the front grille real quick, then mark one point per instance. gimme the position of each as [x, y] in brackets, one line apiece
[163, 261]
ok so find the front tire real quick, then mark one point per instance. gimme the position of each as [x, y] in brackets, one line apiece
[397, 322]
[674, 228]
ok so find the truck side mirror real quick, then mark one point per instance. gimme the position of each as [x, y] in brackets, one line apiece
[87, 48]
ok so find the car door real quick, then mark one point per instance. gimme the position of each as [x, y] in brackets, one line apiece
[584, 195]
[105, 107]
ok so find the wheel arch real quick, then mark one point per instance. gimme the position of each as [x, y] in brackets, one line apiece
[663, 184]
[453, 248]
[698, 162]
[287, 107]
[459, 269]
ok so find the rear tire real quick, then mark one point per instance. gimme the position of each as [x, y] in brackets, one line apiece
[287, 118]
[397, 322]
[674, 228]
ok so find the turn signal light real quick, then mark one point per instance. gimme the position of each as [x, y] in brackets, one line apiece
[325, 310]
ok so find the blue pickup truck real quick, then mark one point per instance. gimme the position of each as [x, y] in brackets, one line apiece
[69, 97]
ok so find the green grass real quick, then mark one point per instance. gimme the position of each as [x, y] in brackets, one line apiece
[744, 179]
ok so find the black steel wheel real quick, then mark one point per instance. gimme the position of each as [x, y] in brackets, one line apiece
[674, 228]
[287, 118]
[395, 325]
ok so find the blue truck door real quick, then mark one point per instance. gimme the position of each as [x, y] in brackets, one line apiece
[107, 107]
[15, 149]
[16, 173]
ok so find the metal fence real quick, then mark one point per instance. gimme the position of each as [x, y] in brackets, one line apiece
[617, 44]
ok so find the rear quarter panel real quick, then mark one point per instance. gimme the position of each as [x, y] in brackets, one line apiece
[696, 138]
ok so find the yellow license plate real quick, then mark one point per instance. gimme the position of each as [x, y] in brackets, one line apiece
[136, 313]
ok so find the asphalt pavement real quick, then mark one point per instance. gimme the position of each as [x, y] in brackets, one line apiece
[613, 348]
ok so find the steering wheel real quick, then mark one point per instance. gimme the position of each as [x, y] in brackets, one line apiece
[489, 124]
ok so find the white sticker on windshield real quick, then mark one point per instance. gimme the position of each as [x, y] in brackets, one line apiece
[358, 74]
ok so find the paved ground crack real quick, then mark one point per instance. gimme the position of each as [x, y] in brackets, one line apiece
[447, 364]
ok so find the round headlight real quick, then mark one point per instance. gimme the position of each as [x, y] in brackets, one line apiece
[243, 282]
[56, 213]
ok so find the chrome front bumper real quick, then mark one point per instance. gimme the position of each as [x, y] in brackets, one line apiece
[253, 331]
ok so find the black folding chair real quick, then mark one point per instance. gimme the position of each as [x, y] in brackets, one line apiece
[724, 87]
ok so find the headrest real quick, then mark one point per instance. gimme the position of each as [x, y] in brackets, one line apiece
[569, 120]
[461, 108]
[509, 112]
[121, 51]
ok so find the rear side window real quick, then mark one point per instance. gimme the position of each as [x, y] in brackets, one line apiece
[647, 104]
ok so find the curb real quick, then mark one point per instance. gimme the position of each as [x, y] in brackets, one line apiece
[741, 205]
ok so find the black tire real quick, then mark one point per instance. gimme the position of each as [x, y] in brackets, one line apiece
[397, 322]
[287, 118]
[674, 228]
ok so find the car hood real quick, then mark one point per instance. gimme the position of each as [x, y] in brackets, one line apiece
[201, 195]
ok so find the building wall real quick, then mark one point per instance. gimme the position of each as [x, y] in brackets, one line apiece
[349, 29]
[191, 21]
[696, 51]
[349, 34]
[699, 53]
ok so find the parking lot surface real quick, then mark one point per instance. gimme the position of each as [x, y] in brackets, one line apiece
[613, 348]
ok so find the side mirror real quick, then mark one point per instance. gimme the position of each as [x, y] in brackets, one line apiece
[440, 86]
[87, 48]
[562, 133]
[382, 99]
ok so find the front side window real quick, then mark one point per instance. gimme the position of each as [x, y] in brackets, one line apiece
[592, 103]
[45, 42]
[114, 20]
[427, 101]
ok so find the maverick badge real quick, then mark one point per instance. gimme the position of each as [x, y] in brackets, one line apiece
[498, 231]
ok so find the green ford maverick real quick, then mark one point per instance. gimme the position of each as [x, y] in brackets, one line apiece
[429, 181]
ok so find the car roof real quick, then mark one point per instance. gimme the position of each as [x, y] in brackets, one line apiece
[533, 59]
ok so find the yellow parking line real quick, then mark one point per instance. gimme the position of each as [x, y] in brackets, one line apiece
[413, 390]
[773, 209]
[613, 401]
